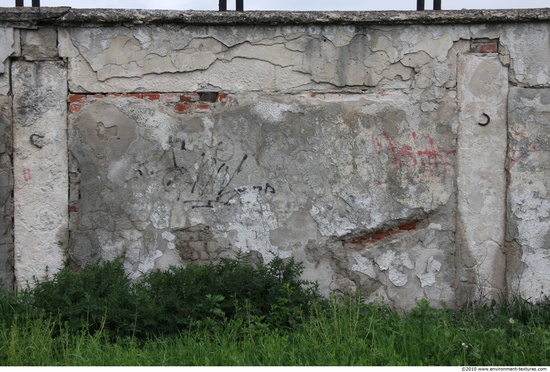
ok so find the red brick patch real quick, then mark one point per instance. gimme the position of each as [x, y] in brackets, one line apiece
[182, 107]
[75, 107]
[203, 107]
[190, 97]
[484, 45]
[151, 96]
[488, 48]
[379, 235]
[171, 97]
[76, 97]
[179, 102]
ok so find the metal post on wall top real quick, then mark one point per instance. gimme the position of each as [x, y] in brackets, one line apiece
[420, 5]
[35, 3]
[239, 6]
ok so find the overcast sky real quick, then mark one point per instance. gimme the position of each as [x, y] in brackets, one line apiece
[290, 4]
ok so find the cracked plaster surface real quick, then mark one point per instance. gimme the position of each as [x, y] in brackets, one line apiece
[266, 174]
[277, 58]
[351, 165]
[7, 49]
[529, 209]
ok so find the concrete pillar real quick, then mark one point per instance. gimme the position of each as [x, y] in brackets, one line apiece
[40, 168]
[481, 180]
[6, 192]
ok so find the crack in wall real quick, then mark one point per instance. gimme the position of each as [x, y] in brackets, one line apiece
[366, 231]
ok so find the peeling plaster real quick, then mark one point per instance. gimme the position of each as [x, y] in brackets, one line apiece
[353, 148]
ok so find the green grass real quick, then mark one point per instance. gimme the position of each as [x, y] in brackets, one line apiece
[344, 334]
[80, 319]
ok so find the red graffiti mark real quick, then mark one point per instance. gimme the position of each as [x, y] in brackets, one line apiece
[406, 152]
[392, 149]
[432, 154]
[376, 143]
[26, 174]
[522, 148]
[419, 158]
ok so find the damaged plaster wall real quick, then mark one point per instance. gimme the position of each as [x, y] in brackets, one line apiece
[387, 154]
[6, 167]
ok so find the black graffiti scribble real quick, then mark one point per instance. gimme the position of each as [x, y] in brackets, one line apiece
[210, 182]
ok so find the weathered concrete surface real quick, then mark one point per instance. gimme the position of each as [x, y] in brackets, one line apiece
[528, 199]
[529, 46]
[6, 47]
[349, 141]
[291, 58]
[482, 139]
[288, 58]
[40, 168]
[6, 50]
[340, 175]
[39, 45]
[65, 16]
[6, 189]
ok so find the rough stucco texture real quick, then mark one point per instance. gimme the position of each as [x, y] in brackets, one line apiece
[298, 175]
[6, 187]
[406, 161]
[528, 199]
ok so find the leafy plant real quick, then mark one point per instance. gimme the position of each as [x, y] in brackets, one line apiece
[97, 296]
[180, 298]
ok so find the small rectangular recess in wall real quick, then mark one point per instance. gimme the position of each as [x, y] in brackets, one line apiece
[484, 45]
[208, 96]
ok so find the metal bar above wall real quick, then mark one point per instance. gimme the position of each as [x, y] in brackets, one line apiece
[420, 5]
[35, 3]
[239, 7]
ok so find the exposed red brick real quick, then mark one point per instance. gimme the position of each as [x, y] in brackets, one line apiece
[114, 95]
[73, 208]
[406, 226]
[190, 97]
[171, 97]
[222, 97]
[151, 96]
[75, 107]
[379, 235]
[95, 96]
[182, 107]
[77, 97]
[203, 107]
[488, 48]
[312, 95]
[134, 95]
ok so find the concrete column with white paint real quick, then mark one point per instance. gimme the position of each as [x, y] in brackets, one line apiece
[481, 181]
[40, 168]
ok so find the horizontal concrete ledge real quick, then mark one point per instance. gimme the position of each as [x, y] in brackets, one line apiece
[65, 16]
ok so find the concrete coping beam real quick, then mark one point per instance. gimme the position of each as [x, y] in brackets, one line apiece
[66, 16]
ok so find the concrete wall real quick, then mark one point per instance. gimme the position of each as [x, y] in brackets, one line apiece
[404, 154]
